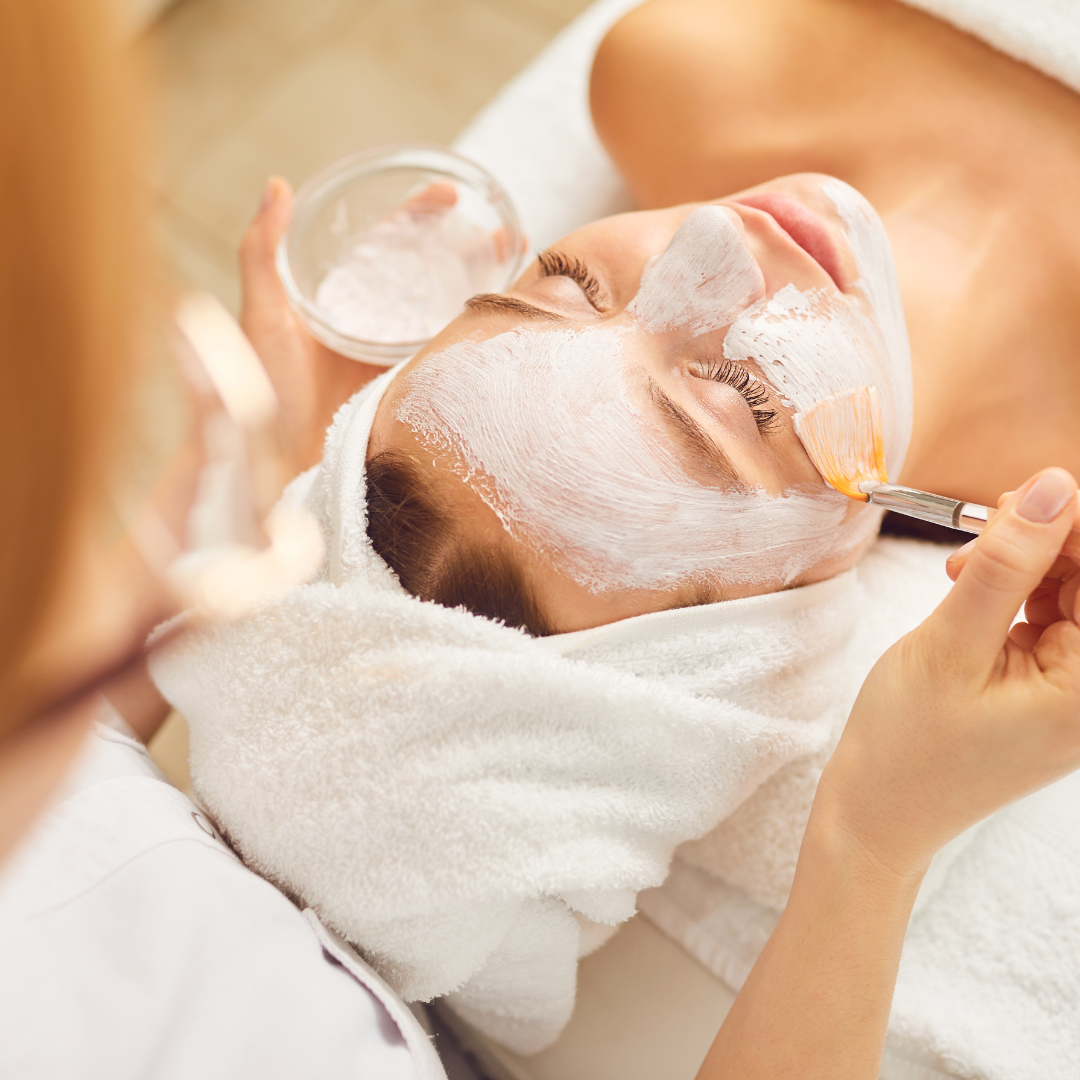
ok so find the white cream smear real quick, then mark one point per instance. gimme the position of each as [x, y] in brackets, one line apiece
[544, 425]
[408, 275]
[554, 445]
[701, 280]
[812, 345]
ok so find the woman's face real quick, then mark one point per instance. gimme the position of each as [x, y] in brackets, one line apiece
[624, 418]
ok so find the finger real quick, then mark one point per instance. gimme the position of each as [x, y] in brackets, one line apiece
[1042, 606]
[1072, 544]
[1007, 563]
[503, 242]
[955, 562]
[436, 198]
[1063, 569]
[1054, 597]
[1069, 558]
[1026, 636]
[1058, 650]
[1069, 599]
[263, 294]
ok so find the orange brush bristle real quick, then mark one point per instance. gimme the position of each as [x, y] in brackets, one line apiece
[844, 439]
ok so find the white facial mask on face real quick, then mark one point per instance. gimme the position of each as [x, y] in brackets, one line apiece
[550, 439]
[701, 280]
[547, 432]
[811, 345]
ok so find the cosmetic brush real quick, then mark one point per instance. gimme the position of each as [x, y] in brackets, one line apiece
[844, 438]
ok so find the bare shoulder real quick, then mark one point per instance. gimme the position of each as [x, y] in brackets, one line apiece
[674, 79]
[697, 98]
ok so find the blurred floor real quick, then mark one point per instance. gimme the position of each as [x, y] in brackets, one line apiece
[250, 88]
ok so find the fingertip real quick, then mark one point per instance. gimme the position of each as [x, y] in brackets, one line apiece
[436, 199]
[442, 194]
[260, 241]
[955, 562]
[260, 285]
[275, 191]
[266, 200]
[275, 210]
[1048, 497]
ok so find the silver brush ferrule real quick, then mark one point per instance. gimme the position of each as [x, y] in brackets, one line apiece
[952, 513]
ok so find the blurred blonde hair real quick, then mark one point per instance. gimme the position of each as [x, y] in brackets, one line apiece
[66, 209]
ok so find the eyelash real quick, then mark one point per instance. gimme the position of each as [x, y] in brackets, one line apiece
[556, 264]
[753, 390]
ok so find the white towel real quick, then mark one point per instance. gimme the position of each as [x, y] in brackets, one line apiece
[1042, 33]
[459, 799]
[537, 138]
[988, 983]
[473, 807]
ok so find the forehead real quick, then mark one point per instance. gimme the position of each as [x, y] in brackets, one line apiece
[643, 225]
[616, 247]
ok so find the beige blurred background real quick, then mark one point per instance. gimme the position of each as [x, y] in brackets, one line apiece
[247, 88]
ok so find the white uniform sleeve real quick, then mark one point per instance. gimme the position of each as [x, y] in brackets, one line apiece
[133, 943]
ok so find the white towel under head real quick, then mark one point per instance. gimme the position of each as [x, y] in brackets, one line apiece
[460, 799]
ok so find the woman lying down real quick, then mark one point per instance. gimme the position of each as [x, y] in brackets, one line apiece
[586, 599]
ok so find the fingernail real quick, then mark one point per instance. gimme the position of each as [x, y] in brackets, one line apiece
[268, 194]
[1047, 497]
[962, 552]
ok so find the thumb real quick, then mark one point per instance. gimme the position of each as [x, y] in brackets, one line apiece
[1007, 562]
[263, 293]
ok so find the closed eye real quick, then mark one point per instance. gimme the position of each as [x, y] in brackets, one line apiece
[556, 264]
[754, 392]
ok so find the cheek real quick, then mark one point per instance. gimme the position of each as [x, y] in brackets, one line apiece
[810, 346]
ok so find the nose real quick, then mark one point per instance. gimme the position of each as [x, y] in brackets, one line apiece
[703, 278]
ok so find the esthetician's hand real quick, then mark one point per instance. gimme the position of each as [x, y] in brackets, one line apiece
[964, 715]
[1056, 596]
[311, 381]
[956, 720]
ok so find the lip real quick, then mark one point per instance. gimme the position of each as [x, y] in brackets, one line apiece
[804, 226]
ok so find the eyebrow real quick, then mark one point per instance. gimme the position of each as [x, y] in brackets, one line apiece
[499, 304]
[695, 439]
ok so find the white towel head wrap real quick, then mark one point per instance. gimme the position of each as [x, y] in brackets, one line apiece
[470, 806]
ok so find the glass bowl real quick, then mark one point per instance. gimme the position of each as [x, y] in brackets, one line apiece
[385, 246]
